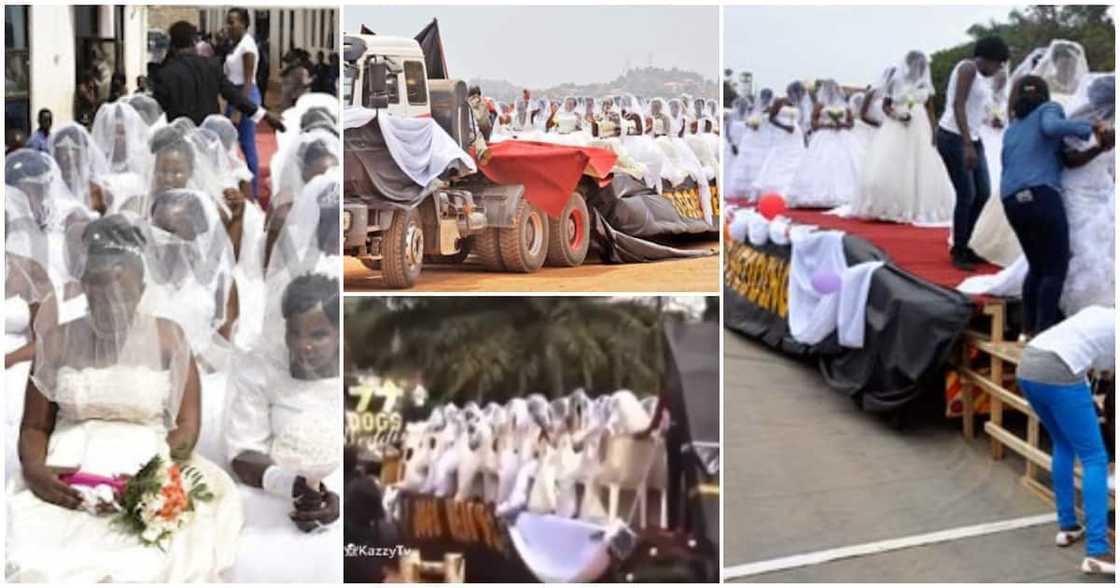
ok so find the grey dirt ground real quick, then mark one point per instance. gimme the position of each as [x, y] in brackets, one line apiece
[805, 471]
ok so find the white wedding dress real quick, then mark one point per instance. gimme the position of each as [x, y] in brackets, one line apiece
[1088, 193]
[753, 146]
[992, 237]
[292, 421]
[829, 172]
[110, 421]
[784, 157]
[17, 333]
[904, 178]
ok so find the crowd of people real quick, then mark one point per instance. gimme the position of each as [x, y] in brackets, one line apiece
[882, 153]
[155, 307]
[1020, 164]
[659, 142]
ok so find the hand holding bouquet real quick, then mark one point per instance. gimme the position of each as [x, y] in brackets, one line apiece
[836, 114]
[908, 102]
[754, 121]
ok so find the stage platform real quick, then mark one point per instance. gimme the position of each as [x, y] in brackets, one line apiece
[922, 251]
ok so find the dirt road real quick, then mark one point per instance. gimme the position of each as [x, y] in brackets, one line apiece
[700, 274]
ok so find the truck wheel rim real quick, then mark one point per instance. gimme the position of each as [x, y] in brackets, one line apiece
[575, 229]
[414, 245]
[534, 231]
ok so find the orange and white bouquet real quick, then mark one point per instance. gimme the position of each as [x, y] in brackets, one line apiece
[160, 499]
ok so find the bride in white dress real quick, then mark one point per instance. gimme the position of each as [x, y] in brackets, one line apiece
[751, 148]
[829, 172]
[787, 144]
[81, 162]
[904, 178]
[1089, 195]
[112, 388]
[992, 238]
[122, 136]
[26, 287]
[284, 422]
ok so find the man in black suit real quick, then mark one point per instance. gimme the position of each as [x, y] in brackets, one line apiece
[187, 84]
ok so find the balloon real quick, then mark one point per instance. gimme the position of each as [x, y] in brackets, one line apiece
[771, 205]
[826, 282]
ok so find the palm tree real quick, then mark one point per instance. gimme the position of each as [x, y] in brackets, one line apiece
[495, 348]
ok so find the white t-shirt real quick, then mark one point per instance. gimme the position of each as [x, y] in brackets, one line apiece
[975, 106]
[1084, 340]
[235, 67]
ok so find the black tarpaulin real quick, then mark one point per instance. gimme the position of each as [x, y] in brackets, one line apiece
[911, 326]
[614, 246]
[626, 215]
[432, 46]
[692, 442]
[634, 208]
[370, 172]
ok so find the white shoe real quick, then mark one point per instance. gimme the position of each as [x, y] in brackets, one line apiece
[1092, 565]
[1067, 538]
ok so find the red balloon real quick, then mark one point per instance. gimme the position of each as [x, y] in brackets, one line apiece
[771, 205]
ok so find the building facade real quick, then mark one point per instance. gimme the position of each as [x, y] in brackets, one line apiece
[48, 48]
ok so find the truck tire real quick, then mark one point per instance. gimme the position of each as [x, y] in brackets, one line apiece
[370, 263]
[455, 258]
[524, 246]
[403, 250]
[569, 236]
[488, 250]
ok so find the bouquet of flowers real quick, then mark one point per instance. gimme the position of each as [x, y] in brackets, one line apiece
[159, 500]
[996, 116]
[836, 114]
[909, 102]
[754, 121]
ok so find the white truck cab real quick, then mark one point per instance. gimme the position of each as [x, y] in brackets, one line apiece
[405, 75]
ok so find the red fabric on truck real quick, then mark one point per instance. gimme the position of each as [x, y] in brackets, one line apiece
[549, 172]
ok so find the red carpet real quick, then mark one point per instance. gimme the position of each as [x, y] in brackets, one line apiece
[923, 252]
[266, 148]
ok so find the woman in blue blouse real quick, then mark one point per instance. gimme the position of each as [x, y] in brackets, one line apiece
[1030, 187]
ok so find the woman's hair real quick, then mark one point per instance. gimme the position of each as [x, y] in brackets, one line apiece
[992, 48]
[308, 291]
[70, 132]
[1030, 92]
[242, 15]
[314, 151]
[182, 204]
[314, 115]
[223, 127]
[24, 164]
[171, 138]
[147, 107]
[112, 241]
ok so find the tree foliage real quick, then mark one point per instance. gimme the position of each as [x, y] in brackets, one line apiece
[495, 348]
[1036, 26]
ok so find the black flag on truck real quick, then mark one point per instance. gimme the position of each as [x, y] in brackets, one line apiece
[432, 46]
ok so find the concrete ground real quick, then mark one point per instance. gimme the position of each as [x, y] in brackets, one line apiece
[806, 470]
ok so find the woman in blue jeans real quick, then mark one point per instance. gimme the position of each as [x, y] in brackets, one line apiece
[241, 69]
[1053, 376]
[1030, 188]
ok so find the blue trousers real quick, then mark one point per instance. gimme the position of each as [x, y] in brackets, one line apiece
[1038, 218]
[247, 138]
[1068, 414]
[973, 186]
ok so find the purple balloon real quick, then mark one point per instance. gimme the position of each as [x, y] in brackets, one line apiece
[826, 282]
